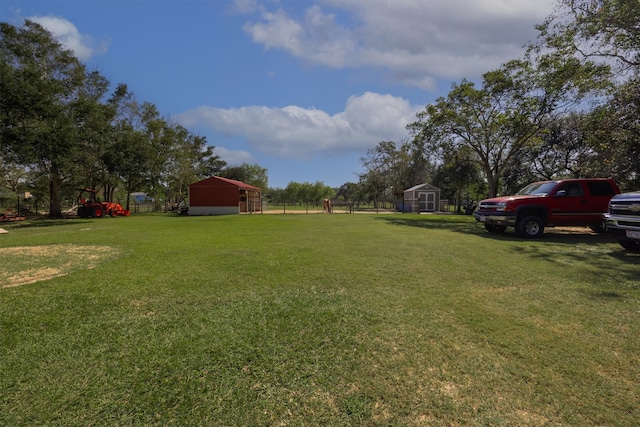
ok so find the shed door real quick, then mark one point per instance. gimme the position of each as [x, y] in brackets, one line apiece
[427, 201]
[423, 201]
[431, 202]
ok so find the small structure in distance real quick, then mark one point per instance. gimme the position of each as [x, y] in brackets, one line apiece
[223, 196]
[421, 198]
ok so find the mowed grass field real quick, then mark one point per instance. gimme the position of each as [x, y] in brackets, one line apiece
[315, 320]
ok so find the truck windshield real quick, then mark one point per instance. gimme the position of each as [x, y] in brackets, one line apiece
[537, 189]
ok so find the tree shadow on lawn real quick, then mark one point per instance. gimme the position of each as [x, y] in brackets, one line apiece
[462, 224]
[42, 222]
[573, 245]
[458, 223]
[566, 245]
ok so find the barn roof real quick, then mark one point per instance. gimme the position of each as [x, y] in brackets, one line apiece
[213, 180]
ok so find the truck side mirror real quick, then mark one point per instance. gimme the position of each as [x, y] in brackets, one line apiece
[561, 193]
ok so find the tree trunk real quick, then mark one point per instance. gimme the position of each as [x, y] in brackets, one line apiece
[492, 187]
[492, 180]
[55, 193]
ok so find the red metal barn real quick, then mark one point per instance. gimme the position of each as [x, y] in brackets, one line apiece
[223, 196]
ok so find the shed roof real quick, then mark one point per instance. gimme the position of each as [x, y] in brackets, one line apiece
[218, 180]
[423, 187]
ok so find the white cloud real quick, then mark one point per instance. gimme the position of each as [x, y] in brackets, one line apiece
[67, 34]
[318, 39]
[296, 132]
[246, 6]
[278, 31]
[234, 157]
[418, 41]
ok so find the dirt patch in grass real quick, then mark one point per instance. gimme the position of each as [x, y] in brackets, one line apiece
[29, 264]
[570, 230]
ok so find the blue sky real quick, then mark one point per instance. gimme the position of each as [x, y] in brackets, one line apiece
[300, 87]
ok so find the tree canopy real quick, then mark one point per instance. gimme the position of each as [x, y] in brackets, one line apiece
[59, 121]
[596, 28]
[508, 111]
[251, 174]
[557, 111]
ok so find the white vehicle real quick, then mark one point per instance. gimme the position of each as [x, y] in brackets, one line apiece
[622, 221]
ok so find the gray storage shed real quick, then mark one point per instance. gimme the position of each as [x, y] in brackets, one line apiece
[421, 198]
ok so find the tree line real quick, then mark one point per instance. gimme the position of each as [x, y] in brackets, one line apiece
[570, 107]
[62, 128]
[300, 193]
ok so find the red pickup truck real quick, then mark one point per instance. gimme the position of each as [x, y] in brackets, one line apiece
[568, 202]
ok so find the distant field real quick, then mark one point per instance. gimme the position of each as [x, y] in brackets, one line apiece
[314, 320]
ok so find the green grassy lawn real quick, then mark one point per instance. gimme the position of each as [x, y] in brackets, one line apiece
[308, 320]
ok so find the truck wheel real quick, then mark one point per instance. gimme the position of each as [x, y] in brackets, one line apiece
[529, 227]
[630, 245]
[495, 228]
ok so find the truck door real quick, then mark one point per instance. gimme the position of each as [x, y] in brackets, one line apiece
[601, 192]
[570, 204]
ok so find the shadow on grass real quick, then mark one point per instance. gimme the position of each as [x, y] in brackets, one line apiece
[611, 263]
[557, 245]
[458, 223]
[604, 295]
[463, 224]
[42, 222]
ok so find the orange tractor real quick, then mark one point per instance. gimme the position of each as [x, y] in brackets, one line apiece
[94, 208]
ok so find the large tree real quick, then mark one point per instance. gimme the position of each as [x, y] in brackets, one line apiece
[561, 150]
[46, 99]
[509, 109]
[614, 136]
[293, 192]
[350, 192]
[605, 30]
[189, 159]
[596, 28]
[252, 174]
[459, 176]
[394, 167]
[374, 181]
[98, 134]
